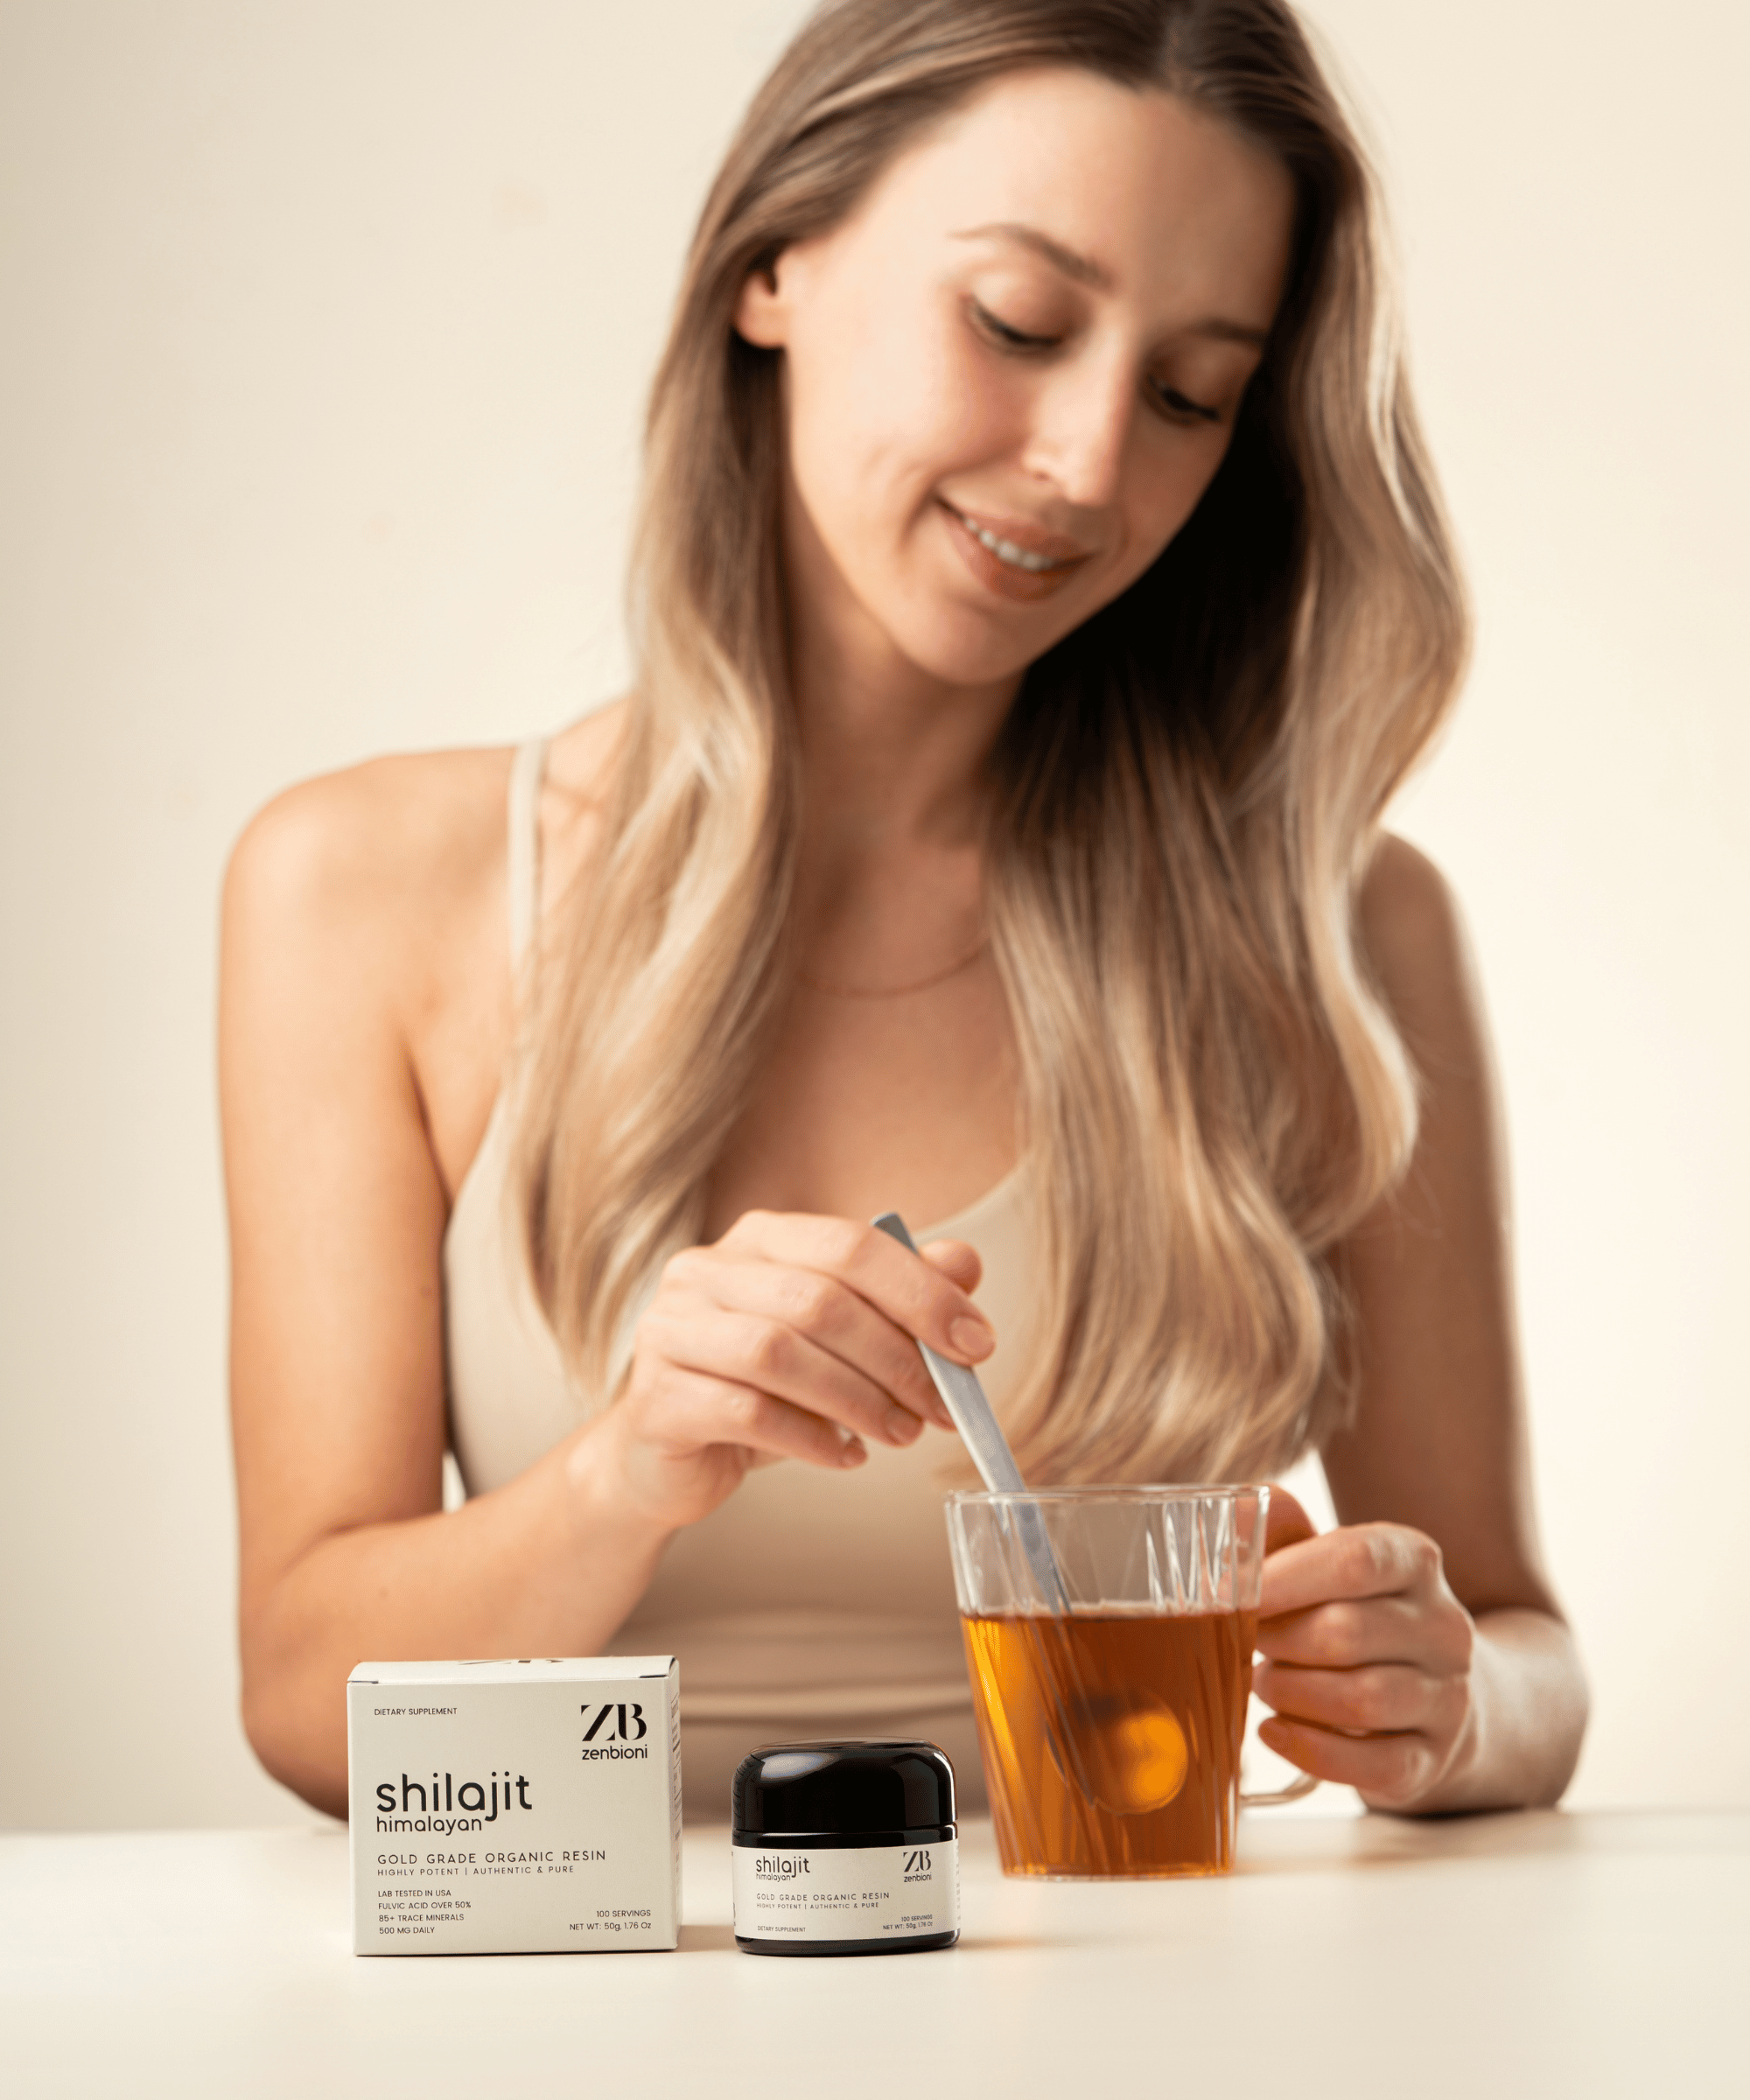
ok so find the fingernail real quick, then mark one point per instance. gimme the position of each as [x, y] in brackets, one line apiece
[972, 1336]
[854, 1452]
[903, 1426]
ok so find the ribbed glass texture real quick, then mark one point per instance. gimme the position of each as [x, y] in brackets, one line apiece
[1109, 1638]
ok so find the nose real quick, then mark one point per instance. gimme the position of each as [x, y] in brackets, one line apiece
[1084, 413]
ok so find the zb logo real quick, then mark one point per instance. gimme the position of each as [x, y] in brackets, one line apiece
[916, 1863]
[624, 1722]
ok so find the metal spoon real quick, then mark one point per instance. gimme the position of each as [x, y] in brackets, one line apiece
[970, 1404]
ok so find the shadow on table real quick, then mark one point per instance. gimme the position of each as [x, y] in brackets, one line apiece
[1031, 1943]
[720, 1939]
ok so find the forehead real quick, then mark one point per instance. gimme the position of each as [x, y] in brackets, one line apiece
[1172, 203]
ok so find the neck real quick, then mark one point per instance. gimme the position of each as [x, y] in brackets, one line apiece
[889, 874]
[893, 756]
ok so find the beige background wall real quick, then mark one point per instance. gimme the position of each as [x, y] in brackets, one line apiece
[325, 327]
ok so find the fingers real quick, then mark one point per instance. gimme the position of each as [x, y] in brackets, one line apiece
[1351, 1634]
[1388, 1771]
[960, 1263]
[791, 1337]
[694, 1410]
[765, 1355]
[916, 1295]
[1367, 1660]
[1356, 1561]
[1287, 1524]
[815, 1309]
[1380, 1699]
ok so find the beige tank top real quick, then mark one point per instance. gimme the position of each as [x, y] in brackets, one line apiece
[810, 1604]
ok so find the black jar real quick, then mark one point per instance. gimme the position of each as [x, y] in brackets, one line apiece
[845, 1848]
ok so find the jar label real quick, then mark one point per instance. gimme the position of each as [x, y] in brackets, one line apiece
[884, 1892]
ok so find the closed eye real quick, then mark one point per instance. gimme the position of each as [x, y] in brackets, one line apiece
[1184, 409]
[1006, 337]
[1179, 406]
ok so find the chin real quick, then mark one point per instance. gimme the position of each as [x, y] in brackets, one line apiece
[973, 668]
[959, 647]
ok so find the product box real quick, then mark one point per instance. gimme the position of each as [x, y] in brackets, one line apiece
[515, 1808]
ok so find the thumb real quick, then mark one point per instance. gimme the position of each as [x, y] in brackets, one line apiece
[1288, 1523]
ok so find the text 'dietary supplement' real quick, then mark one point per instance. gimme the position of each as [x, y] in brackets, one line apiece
[515, 1808]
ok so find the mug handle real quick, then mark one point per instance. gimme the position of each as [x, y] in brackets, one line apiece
[1297, 1789]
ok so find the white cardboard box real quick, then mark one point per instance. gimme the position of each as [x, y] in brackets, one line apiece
[515, 1808]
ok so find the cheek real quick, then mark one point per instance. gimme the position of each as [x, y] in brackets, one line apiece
[880, 413]
[1166, 499]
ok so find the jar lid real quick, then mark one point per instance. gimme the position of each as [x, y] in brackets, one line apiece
[821, 1789]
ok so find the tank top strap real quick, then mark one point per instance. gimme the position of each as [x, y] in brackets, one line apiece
[523, 865]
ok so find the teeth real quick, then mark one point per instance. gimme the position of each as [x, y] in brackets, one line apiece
[1006, 550]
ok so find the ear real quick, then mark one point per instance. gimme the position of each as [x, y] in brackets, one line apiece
[762, 313]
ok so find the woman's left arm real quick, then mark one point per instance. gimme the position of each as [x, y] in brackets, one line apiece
[1419, 1653]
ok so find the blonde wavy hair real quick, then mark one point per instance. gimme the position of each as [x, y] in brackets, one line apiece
[1185, 796]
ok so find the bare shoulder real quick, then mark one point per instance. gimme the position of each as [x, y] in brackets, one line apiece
[1409, 917]
[365, 944]
[351, 848]
[362, 929]
[575, 793]
[1413, 939]
[580, 759]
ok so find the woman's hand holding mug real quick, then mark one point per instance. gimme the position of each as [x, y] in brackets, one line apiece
[791, 1337]
[1366, 1657]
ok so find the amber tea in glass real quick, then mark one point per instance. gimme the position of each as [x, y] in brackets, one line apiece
[1111, 1710]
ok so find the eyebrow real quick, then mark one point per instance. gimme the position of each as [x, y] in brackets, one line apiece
[1084, 270]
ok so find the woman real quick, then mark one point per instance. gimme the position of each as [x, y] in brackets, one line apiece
[1040, 592]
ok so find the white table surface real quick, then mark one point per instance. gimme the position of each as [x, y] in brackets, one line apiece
[1589, 1955]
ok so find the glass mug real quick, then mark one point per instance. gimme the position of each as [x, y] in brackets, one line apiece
[1109, 1638]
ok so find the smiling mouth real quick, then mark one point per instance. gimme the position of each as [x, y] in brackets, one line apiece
[1023, 564]
[1006, 550]
[1032, 561]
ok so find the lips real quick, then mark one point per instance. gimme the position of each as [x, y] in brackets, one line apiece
[1015, 558]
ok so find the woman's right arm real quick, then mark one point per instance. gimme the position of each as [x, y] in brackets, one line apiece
[337, 1214]
[789, 1337]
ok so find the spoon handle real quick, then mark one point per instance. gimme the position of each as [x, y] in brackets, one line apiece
[965, 1398]
[981, 1432]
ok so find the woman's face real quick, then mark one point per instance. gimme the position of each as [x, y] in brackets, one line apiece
[1012, 372]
